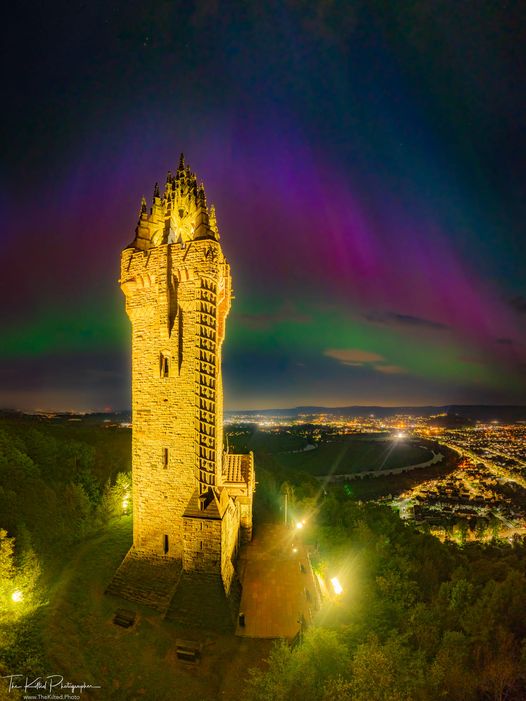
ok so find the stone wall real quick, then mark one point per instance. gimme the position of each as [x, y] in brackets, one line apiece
[245, 508]
[202, 545]
[229, 543]
[163, 287]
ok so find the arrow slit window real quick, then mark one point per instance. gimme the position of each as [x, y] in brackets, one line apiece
[165, 365]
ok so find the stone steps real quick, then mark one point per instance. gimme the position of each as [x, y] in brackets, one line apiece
[147, 580]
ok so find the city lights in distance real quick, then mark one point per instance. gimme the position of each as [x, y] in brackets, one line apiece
[17, 596]
[338, 589]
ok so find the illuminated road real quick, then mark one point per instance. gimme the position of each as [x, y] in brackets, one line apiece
[278, 584]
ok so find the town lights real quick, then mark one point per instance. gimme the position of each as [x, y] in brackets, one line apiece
[338, 589]
[17, 596]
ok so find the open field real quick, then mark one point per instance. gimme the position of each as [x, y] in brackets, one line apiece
[264, 441]
[352, 455]
[342, 455]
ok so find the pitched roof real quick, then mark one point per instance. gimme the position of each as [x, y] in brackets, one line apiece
[236, 468]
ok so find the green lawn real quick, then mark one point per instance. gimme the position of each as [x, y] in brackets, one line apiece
[353, 454]
[84, 645]
[344, 455]
[265, 442]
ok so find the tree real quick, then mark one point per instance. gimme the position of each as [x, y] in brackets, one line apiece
[275, 682]
[463, 531]
[502, 664]
[452, 669]
[386, 672]
[304, 672]
[287, 492]
[116, 498]
[76, 512]
[28, 566]
[339, 688]
[7, 567]
[481, 528]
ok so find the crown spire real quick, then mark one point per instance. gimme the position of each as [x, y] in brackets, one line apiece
[180, 213]
[201, 196]
[213, 221]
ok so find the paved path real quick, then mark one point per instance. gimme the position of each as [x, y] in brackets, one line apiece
[276, 592]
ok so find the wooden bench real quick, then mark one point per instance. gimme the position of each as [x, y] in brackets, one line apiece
[188, 650]
[124, 618]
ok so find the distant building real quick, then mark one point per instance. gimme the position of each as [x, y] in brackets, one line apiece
[192, 501]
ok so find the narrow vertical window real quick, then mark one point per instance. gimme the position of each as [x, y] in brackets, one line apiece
[165, 457]
[180, 341]
[165, 544]
[165, 365]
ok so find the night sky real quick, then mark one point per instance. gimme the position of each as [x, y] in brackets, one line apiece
[367, 161]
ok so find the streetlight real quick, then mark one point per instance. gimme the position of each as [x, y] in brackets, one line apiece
[17, 596]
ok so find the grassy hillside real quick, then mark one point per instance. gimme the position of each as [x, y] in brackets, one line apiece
[336, 455]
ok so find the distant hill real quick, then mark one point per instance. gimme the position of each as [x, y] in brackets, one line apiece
[469, 412]
[116, 417]
[455, 413]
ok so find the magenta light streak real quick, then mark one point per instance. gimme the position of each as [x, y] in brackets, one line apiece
[285, 212]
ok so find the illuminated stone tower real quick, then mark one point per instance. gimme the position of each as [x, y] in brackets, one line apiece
[192, 501]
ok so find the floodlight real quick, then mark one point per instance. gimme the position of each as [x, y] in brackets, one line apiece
[336, 585]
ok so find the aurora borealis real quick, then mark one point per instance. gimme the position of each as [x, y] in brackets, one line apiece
[367, 162]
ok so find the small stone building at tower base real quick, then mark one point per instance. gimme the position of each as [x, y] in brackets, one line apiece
[202, 588]
[214, 527]
[216, 523]
[192, 501]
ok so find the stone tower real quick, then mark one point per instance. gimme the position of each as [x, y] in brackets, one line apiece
[192, 501]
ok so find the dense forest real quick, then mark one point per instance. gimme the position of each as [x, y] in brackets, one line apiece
[59, 484]
[419, 620]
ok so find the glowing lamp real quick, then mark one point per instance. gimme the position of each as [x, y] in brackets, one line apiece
[299, 525]
[336, 585]
[17, 595]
